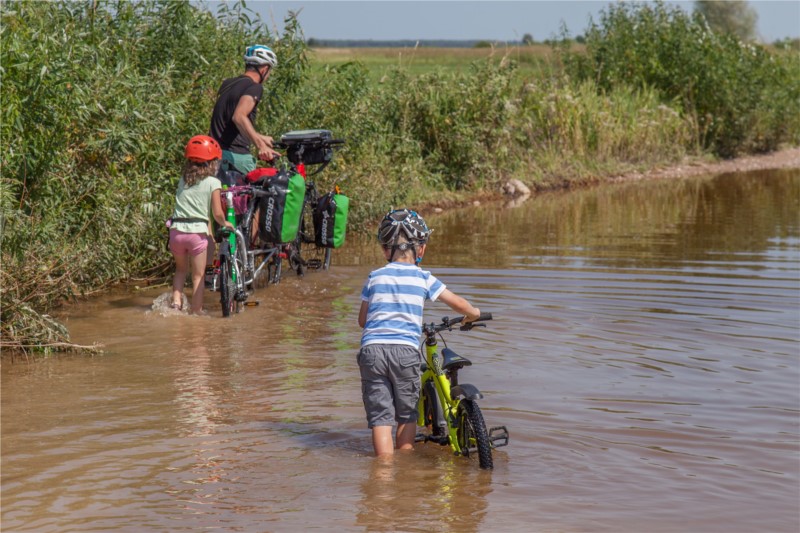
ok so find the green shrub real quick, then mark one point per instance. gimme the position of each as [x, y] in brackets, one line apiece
[740, 97]
[99, 98]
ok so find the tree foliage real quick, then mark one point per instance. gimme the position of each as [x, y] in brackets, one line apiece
[98, 99]
[735, 17]
[740, 97]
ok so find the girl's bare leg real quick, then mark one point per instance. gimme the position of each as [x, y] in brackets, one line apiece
[198, 277]
[181, 269]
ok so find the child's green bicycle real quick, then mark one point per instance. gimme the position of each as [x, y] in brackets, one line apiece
[449, 409]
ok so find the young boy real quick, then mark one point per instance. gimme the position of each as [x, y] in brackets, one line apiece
[391, 315]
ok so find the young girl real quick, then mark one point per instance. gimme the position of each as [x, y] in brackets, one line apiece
[197, 199]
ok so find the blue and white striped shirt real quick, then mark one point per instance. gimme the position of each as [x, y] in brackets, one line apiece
[396, 295]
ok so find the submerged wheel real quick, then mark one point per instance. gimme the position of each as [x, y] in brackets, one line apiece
[472, 434]
[433, 410]
[326, 263]
[275, 269]
[262, 280]
[226, 286]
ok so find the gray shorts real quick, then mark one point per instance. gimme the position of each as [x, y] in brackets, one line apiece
[389, 383]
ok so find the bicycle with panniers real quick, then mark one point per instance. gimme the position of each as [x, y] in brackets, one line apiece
[264, 208]
[323, 218]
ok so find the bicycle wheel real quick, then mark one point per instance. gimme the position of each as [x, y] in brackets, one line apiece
[434, 419]
[262, 279]
[472, 434]
[275, 268]
[226, 287]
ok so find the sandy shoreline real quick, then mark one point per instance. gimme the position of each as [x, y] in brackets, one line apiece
[781, 159]
[787, 158]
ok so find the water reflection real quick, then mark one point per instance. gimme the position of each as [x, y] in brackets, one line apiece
[407, 492]
[660, 223]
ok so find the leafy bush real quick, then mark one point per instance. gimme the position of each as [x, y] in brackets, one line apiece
[739, 96]
[99, 98]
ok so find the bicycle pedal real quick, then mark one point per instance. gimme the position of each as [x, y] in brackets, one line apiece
[252, 304]
[500, 439]
[314, 264]
[420, 437]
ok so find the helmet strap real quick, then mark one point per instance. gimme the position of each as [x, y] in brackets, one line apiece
[403, 247]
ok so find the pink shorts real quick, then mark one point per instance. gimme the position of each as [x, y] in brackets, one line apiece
[193, 244]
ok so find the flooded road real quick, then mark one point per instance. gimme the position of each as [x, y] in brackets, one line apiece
[645, 357]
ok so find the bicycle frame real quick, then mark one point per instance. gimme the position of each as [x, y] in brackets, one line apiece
[435, 373]
[236, 255]
[441, 369]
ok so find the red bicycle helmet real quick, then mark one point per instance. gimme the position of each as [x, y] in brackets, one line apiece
[202, 148]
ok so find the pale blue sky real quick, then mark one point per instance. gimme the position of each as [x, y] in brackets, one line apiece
[487, 19]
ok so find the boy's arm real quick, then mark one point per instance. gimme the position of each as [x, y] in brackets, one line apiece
[459, 305]
[362, 314]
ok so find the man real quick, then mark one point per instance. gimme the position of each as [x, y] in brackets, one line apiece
[234, 115]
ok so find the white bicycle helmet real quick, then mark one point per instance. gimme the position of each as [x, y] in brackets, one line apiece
[410, 225]
[260, 55]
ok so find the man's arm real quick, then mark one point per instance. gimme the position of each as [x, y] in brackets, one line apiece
[241, 117]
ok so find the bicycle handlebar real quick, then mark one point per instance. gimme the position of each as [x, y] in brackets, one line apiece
[449, 323]
[330, 143]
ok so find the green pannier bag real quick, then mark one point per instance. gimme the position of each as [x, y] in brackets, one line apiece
[330, 220]
[279, 217]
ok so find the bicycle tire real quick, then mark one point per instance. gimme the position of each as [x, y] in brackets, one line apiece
[432, 410]
[262, 280]
[275, 269]
[472, 433]
[226, 287]
[326, 262]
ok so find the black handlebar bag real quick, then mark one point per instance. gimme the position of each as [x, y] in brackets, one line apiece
[310, 147]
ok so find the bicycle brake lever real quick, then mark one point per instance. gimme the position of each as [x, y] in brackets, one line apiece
[467, 327]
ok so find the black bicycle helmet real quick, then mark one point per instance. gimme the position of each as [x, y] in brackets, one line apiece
[403, 222]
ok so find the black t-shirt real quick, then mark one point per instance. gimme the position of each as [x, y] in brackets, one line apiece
[222, 127]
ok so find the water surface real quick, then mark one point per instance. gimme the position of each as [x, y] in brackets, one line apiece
[644, 356]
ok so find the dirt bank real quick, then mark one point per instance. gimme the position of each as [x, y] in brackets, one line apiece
[788, 158]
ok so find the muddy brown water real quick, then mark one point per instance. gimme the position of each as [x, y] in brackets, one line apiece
[644, 357]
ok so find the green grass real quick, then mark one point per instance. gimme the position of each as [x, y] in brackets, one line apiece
[530, 60]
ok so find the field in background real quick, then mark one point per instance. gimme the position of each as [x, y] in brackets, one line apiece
[421, 60]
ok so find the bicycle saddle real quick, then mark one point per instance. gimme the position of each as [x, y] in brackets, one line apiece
[451, 360]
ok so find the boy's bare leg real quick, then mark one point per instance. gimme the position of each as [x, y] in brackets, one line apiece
[405, 436]
[382, 440]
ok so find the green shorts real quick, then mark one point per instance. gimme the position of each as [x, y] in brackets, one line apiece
[244, 163]
[390, 383]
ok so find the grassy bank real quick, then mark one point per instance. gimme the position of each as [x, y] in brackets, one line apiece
[99, 98]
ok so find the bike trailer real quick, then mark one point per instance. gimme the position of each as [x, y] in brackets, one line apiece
[330, 220]
[280, 212]
[310, 147]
